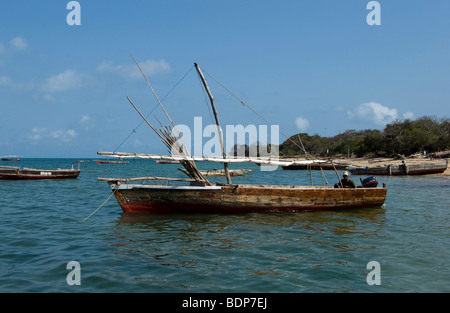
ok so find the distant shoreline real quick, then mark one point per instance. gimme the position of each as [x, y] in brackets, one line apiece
[363, 162]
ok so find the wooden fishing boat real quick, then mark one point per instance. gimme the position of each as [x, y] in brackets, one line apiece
[110, 162]
[316, 165]
[22, 173]
[216, 172]
[167, 162]
[441, 154]
[11, 158]
[401, 169]
[198, 195]
[241, 198]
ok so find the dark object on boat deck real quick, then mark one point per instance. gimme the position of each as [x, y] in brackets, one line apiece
[369, 182]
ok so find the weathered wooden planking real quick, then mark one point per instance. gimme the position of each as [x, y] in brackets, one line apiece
[216, 172]
[18, 173]
[245, 198]
[401, 169]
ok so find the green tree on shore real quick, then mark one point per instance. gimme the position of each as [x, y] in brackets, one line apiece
[426, 134]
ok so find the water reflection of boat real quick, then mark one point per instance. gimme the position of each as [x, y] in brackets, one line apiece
[365, 220]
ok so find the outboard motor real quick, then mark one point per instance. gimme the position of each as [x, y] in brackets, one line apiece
[369, 182]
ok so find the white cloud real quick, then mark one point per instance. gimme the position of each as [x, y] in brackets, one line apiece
[8, 82]
[87, 122]
[85, 118]
[374, 112]
[137, 143]
[63, 135]
[48, 98]
[150, 67]
[5, 81]
[60, 134]
[37, 133]
[301, 123]
[69, 79]
[408, 116]
[18, 43]
[15, 44]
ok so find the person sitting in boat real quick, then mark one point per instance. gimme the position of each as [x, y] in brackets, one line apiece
[345, 182]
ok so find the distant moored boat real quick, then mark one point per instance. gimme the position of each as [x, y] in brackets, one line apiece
[401, 169]
[110, 162]
[24, 173]
[20, 173]
[11, 158]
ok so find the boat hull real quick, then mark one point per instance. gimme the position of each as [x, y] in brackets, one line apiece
[315, 166]
[27, 173]
[157, 199]
[216, 172]
[395, 170]
[167, 162]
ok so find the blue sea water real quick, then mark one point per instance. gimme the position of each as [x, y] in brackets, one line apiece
[42, 229]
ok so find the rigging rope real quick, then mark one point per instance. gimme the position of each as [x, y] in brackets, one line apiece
[142, 121]
[259, 115]
[100, 206]
[110, 169]
[206, 100]
[302, 148]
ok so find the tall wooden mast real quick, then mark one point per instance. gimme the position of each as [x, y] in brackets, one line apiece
[211, 98]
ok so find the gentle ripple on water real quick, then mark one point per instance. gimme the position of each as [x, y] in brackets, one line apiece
[42, 229]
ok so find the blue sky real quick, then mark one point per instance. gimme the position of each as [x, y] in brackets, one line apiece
[307, 66]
